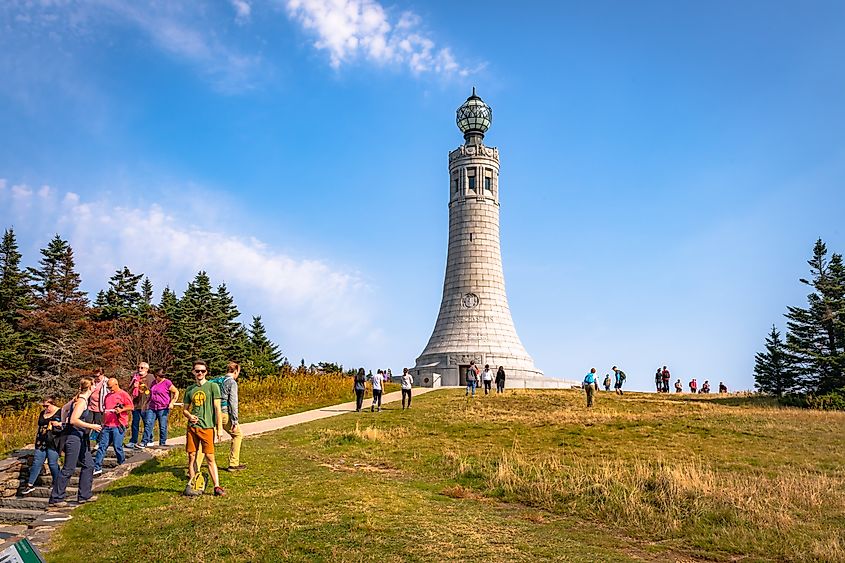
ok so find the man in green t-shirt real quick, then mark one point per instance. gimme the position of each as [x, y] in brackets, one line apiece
[201, 407]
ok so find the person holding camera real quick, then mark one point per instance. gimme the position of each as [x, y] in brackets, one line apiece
[49, 421]
[116, 407]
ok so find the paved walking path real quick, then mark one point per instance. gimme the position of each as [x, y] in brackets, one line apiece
[270, 424]
[40, 529]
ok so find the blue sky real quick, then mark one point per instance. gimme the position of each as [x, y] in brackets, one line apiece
[665, 167]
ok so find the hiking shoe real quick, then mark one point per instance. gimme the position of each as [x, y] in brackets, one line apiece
[98, 472]
[57, 504]
[131, 446]
[29, 489]
[233, 468]
[219, 492]
[92, 498]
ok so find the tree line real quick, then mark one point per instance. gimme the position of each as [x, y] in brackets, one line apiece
[50, 333]
[810, 359]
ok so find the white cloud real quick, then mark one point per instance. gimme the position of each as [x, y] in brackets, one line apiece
[306, 301]
[348, 29]
[187, 31]
[242, 10]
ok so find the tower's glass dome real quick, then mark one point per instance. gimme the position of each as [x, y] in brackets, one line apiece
[474, 116]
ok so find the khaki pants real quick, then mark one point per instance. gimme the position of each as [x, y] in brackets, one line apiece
[235, 451]
[590, 390]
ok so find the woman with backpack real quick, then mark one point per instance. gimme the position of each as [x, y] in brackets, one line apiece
[78, 426]
[359, 386]
[49, 421]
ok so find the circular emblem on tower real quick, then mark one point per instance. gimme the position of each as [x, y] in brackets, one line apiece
[470, 301]
[474, 116]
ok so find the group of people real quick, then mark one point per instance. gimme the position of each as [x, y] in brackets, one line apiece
[377, 382]
[591, 383]
[99, 415]
[662, 378]
[474, 377]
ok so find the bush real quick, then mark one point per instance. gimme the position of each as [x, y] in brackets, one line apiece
[833, 401]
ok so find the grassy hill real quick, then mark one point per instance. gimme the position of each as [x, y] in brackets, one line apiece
[525, 476]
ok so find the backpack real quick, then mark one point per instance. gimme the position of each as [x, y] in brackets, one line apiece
[621, 376]
[219, 381]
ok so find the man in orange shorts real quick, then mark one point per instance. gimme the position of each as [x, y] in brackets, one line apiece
[202, 409]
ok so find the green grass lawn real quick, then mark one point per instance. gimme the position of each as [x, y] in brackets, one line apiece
[527, 476]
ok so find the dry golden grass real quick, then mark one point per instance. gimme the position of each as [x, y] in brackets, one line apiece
[357, 434]
[683, 497]
[17, 428]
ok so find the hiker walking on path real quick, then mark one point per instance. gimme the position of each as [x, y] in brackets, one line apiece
[666, 377]
[607, 382]
[693, 386]
[487, 378]
[78, 425]
[500, 380]
[201, 407]
[620, 377]
[139, 387]
[658, 380]
[377, 383]
[359, 386]
[407, 385]
[679, 387]
[163, 395]
[117, 405]
[590, 386]
[472, 378]
[229, 408]
[95, 402]
[49, 423]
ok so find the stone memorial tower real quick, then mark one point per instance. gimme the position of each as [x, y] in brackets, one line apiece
[474, 322]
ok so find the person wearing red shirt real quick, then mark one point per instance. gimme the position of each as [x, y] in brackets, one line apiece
[117, 406]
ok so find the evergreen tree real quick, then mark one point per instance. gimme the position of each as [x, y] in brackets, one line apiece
[817, 333]
[776, 370]
[16, 389]
[196, 333]
[56, 280]
[123, 298]
[264, 356]
[100, 302]
[232, 335]
[56, 323]
[146, 295]
[14, 291]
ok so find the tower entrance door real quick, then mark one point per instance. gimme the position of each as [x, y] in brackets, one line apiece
[462, 375]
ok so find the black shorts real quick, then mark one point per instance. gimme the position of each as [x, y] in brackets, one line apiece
[98, 418]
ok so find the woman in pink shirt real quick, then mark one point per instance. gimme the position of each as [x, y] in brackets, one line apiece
[163, 395]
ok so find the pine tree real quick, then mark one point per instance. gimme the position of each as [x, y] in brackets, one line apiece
[817, 333]
[56, 280]
[196, 330]
[146, 295]
[776, 370]
[14, 291]
[56, 323]
[100, 302]
[123, 298]
[232, 335]
[16, 389]
[264, 356]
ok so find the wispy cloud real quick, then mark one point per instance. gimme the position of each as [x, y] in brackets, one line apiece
[350, 29]
[243, 9]
[308, 301]
[187, 31]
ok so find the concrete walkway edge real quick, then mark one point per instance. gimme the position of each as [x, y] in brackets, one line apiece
[271, 424]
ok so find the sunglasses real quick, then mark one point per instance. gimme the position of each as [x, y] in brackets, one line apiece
[200, 371]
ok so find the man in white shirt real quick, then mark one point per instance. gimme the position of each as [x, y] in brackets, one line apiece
[377, 382]
[407, 384]
[487, 378]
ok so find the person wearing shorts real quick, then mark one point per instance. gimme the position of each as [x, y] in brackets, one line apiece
[202, 409]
